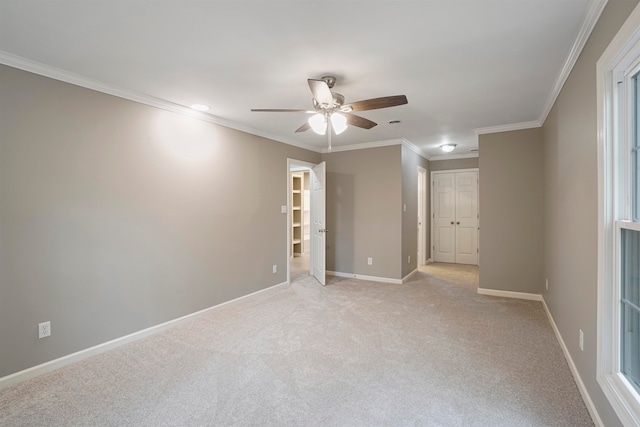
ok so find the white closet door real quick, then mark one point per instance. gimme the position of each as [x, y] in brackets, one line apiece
[466, 208]
[455, 217]
[444, 231]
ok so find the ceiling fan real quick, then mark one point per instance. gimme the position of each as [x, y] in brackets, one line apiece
[330, 111]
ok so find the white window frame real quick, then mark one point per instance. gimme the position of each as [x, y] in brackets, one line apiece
[615, 69]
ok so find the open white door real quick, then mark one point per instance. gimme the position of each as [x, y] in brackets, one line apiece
[318, 224]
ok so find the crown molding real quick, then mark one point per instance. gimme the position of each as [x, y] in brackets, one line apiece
[39, 68]
[411, 146]
[507, 128]
[453, 157]
[363, 146]
[376, 144]
[25, 64]
[591, 19]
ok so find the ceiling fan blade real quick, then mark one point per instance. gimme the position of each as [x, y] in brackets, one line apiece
[358, 121]
[321, 91]
[303, 128]
[375, 103]
[279, 110]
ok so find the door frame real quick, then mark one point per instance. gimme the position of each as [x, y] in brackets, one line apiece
[304, 166]
[431, 214]
[422, 213]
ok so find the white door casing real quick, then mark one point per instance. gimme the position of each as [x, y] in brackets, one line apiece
[422, 182]
[318, 222]
[455, 217]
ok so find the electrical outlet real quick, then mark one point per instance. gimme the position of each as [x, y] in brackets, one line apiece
[581, 340]
[370, 261]
[409, 260]
[275, 269]
[546, 283]
[44, 329]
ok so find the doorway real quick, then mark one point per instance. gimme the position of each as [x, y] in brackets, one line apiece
[299, 223]
[454, 216]
[306, 228]
[422, 215]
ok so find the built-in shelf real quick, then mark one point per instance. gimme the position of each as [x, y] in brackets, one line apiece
[297, 187]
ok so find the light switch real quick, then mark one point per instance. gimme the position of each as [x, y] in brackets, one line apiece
[283, 209]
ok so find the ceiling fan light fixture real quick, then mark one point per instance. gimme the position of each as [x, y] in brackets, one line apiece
[339, 123]
[447, 148]
[318, 123]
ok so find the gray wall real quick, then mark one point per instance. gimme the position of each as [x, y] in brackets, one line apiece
[511, 211]
[116, 216]
[571, 205]
[364, 211]
[410, 163]
[452, 164]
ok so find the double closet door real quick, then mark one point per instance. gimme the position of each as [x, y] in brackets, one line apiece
[455, 216]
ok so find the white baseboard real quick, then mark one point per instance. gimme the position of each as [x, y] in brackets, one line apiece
[52, 365]
[405, 279]
[509, 294]
[363, 277]
[574, 370]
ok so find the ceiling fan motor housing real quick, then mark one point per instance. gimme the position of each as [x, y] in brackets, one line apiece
[338, 101]
[329, 80]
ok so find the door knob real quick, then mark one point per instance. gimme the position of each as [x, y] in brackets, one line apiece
[458, 222]
[451, 222]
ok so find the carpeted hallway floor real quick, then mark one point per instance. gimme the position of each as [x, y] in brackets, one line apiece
[431, 352]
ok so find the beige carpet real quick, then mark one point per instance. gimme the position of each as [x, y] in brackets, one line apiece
[431, 352]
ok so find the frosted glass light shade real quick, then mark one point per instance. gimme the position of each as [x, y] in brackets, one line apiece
[318, 124]
[339, 123]
[447, 148]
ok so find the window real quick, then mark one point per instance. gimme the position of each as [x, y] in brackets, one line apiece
[630, 301]
[627, 233]
[618, 74]
[628, 218]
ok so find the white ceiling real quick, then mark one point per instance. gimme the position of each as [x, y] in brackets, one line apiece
[463, 65]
